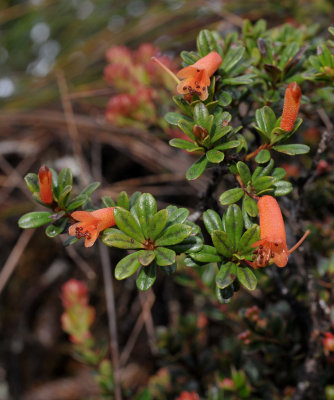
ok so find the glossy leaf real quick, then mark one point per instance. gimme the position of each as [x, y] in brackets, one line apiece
[156, 224]
[63, 195]
[231, 196]
[225, 295]
[265, 119]
[32, 183]
[207, 254]
[232, 144]
[215, 156]
[201, 115]
[244, 172]
[164, 256]
[146, 208]
[34, 219]
[123, 200]
[64, 179]
[248, 238]
[224, 98]
[226, 275]
[116, 238]
[292, 149]
[232, 58]
[191, 244]
[169, 269]
[88, 190]
[145, 257]
[220, 132]
[247, 278]
[177, 215]
[282, 188]
[127, 266]
[263, 183]
[128, 224]
[234, 224]
[57, 228]
[76, 202]
[263, 156]
[173, 118]
[212, 221]
[222, 243]
[206, 42]
[279, 173]
[173, 235]
[197, 168]
[146, 277]
[185, 145]
[250, 206]
[108, 201]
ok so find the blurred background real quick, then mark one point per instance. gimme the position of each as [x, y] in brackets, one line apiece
[70, 98]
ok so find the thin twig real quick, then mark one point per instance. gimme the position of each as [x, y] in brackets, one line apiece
[80, 262]
[112, 321]
[14, 257]
[144, 297]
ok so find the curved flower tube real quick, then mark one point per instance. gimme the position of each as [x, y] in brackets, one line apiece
[291, 105]
[91, 223]
[272, 245]
[45, 184]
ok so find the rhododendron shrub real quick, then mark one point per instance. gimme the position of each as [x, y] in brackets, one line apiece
[238, 100]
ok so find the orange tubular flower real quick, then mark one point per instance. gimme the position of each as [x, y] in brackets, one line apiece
[196, 77]
[291, 105]
[91, 224]
[45, 185]
[272, 245]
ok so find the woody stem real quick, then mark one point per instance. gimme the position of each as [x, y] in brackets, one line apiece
[255, 152]
[299, 242]
[154, 59]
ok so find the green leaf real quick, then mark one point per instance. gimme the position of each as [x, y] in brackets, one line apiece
[127, 223]
[246, 79]
[146, 277]
[108, 201]
[267, 169]
[222, 243]
[207, 254]
[31, 181]
[228, 145]
[173, 118]
[127, 266]
[231, 196]
[265, 119]
[146, 208]
[185, 144]
[76, 202]
[183, 104]
[164, 256]
[263, 156]
[225, 295]
[215, 156]
[169, 269]
[234, 224]
[212, 221]
[279, 173]
[244, 172]
[197, 168]
[123, 200]
[189, 57]
[191, 244]
[116, 238]
[247, 221]
[187, 128]
[63, 195]
[232, 58]
[224, 98]
[251, 236]
[219, 132]
[202, 116]
[145, 257]
[292, 149]
[34, 219]
[156, 224]
[250, 206]
[64, 179]
[177, 215]
[263, 183]
[206, 42]
[247, 278]
[173, 235]
[281, 188]
[55, 229]
[88, 190]
[226, 275]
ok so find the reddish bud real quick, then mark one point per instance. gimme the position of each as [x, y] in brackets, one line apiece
[291, 105]
[188, 396]
[227, 384]
[45, 185]
[328, 342]
[74, 292]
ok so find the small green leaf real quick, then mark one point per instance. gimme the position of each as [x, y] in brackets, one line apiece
[88, 190]
[201, 115]
[231, 196]
[108, 201]
[292, 149]
[247, 220]
[156, 224]
[250, 206]
[251, 236]
[244, 172]
[191, 244]
[63, 195]
[55, 229]
[263, 156]
[279, 173]
[232, 58]
[185, 144]
[219, 132]
[173, 235]
[246, 79]
[234, 224]
[127, 266]
[267, 169]
[164, 256]
[197, 168]
[265, 119]
[187, 128]
[226, 275]
[282, 188]
[263, 183]
[207, 254]
[34, 219]
[228, 145]
[123, 200]
[183, 104]
[145, 257]
[247, 278]
[224, 98]
[173, 118]
[224, 296]
[146, 208]
[177, 215]
[222, 243]
[206, 42]
[127, 223]
[64, 179]
[212, 221]
[116, 238]
[215, 156]
[76, 203]
[146, 277]
[169, 269]
[31, 181]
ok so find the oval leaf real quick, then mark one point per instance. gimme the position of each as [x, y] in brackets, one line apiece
[174, 235]
[263, 156]
[164, 256]
[226, 275]
[222, 243]
[157, 224]
[146, 208]
[146, 277]
[215, 156]
[250, 206]
[234, 224]
[247, 278]
[34, 219]
[127, 223]
[212, 221]
[116, 238]
[145, 257]
[244, 172]
[197, 168]
[231, 196]
[248, 238]
[292, 149]
[127, 266]
[55, 229]
[207, 254]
